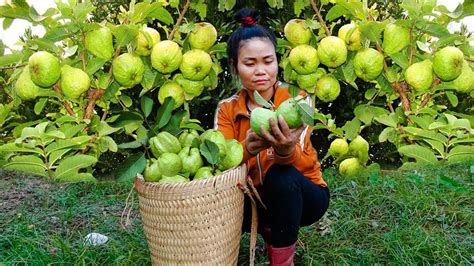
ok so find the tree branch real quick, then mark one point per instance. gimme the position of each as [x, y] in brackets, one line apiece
[83, 54]
[13, 67]
[180, 18]
[65, 103]
[320, 18]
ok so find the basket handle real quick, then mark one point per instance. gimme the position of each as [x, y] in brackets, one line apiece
[251, 193]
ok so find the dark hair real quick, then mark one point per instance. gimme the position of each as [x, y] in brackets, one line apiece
[248, 29]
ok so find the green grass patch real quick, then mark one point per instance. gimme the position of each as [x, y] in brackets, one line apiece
[422, 215]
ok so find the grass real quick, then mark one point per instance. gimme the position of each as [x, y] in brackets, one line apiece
[422, 215]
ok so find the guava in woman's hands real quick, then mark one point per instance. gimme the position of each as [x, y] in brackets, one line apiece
[283, 139]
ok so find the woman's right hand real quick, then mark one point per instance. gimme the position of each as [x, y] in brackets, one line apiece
[255, 143]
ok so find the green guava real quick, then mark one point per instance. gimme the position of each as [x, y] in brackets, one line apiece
[308, 82]
[25, 88]
[128, 70]
[164, 142]
[218, 138]
[353, 39]
[234, 155]
[260, 117]
[173, 90]
[187, 137]
[146, 39]
[203, 37]
[74, 82]
[368, 64]
[447, 63]
[45, 69]
[196, 64]
[191, 159]
[304, 59]
[296, 33]
[169, 164]
[395, 38]
[289, 110]
[166, 56]
[152, 171]
[349, 167]
[99, 43]
[359, 148]
[420, 75]
[464, 83]
[327, 88]
[205, 172]
[338, 148]
[332, 51]
[173, 179]
[191, 88]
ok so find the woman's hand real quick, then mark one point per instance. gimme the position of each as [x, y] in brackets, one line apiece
[255, 143]
[282, 139]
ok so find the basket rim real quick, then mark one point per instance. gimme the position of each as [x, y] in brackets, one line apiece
[226, 180]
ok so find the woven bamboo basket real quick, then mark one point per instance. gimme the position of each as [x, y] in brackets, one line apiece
[195, 223]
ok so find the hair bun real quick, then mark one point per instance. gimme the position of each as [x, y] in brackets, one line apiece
[247, 17]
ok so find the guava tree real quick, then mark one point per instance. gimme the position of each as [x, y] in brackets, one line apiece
[97, 84]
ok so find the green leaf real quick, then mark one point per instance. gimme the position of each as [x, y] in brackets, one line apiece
[11, 59]
[453, 99]
[434, 29]
[260, 100]
[462, 124]
[400, 59]
[419, 153]
[426, 134]
[164, 113]
[15, 11]
[133, 165]
[70, 166]
[210, 151]
[107, 143]
[200, 7]
[352, 128]
[40, 104]
[94, 64]
[161, 14]
[81, 177]
[293, 90]
[191, 126]
[133, 144]
[81, 10]
[149, 75]
[62, 32]
[174, 3]
[127, 117]
[388, 120]
[366, 113]
[299, 5]
[306, 112]
[388, 133]
[461, 153]
[372, 30]
[336, 11]
[105, 129]
[124, 34]
[27, 163]
[436, 145]
[146, 103]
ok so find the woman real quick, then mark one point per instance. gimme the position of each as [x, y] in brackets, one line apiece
[282, 164]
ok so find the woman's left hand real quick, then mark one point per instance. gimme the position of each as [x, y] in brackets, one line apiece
[282, 138]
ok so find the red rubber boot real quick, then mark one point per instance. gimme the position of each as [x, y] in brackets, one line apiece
[282, 256]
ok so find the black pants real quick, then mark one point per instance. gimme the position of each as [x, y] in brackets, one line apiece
[292, 200]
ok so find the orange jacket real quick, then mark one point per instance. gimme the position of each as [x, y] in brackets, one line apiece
[233, 120]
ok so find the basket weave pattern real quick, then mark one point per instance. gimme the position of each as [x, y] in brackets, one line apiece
[195, 223]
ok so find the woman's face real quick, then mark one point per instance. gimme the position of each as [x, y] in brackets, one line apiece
[257, 64]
